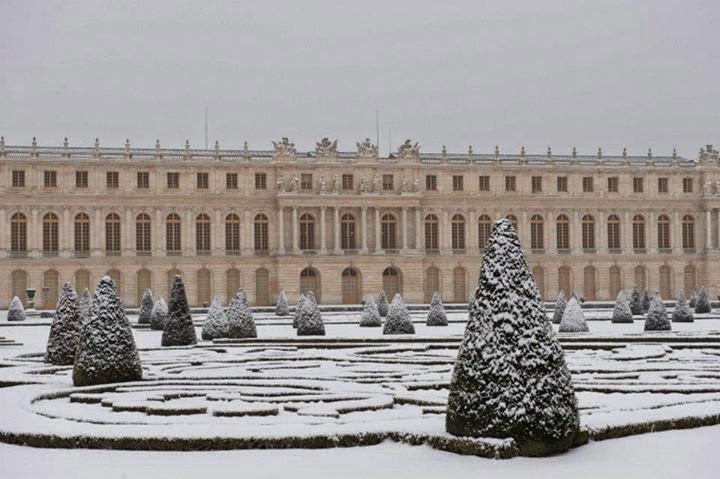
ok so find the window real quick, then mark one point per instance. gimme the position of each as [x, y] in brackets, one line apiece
[537, 237]
[18, 178]
[261, 233]
[172, 231]
[306, 181]
[484, 183]
[203, 181]
[202, 234]
[348, 182]
[613, 184]
[260, 181]
[388, 229]
[562, 184]
[613, 233]
[231, 181]
[457, 182]
[347, 231]
[640, 277]
[431, 284]
[536, 184]
[232, 234]
[562, 231]
[688, 232]
[142, 233]
[350, 286]
[588, 233]
[587, 183]
[509, 183]
[392, 281]
[204, 288]
[307, 232]
[638, 184]
[590, 289]
[687, 185]
[663, 231]
[615, 280]
[81, 179]
[82, 233]
[662, 185]
[431, 232]
[262, 287]
[112, 179]
[665, 282]
[50, 178]
[18, 233]
[457, 224]
[50, 234]
[564, 279]
[112, 234]
[430, 183]
[143, 180]
[484, 228]
[310, 282]
[388, 182]
[638, 225]
[173, 180]
[690, 278]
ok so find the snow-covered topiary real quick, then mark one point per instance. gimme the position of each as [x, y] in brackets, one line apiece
[398, 318]
[573, 320]
[622, 312]
[370, 317]
[159, 315]
[703, 302]
[106, 350]
[179, 329]
[146, 307]
[85, 302]
[65, 329]
[436, 315]
[241, 323]
[682, 312]
[16, 312]
[382, 304]
[281, 308]
[298, 310]
[560, 304]
[310, 322]
[510, 378]
[693, 299]
[636, 302]
[216, 324]
[646, 301]
[656, 318]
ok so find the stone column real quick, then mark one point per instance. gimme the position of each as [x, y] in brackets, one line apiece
[129, 229]
[363, 232]
[97, 235]
[4, 231]
[472, 232]
[247, 243]
[444, 233]
[718, 232]
[281, 230]
[218, 233]
[188, 241]
[626, 230]
[551, 225]
[67, 234]
[601, 241]
[653, 233]
[524, 227]
[676, 233]
[294, 230]
[418, 229]
[323, 243]
[576, 240]
[378, 242]
[708, 229]
[34, 234]
[404, 230]
[336, 230]
[157, 233]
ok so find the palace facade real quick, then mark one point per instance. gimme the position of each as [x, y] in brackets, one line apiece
[346, 224]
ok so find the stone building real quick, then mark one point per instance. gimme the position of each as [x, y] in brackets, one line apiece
[345, 224]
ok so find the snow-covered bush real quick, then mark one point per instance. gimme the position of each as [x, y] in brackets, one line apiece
[398, 318]
[310, 322]
[693, 299]
[298, 310]
[573, 320]
[560, 304]
[159, 315]
[370, 317]
[382, 304]
[682, 312]
[16, 312]
[703, 302]
[65, 330]
[636, 302]
[241, 323]
[106, 351]
[436, 315]
[510, 378]
[216, 324]
[84, 307]
[656, 318]
[281, 307]
[622, 312]
[146, 307]
[179, 329]
[646, 301]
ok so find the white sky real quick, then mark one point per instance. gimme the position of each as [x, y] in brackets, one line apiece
[534, 73]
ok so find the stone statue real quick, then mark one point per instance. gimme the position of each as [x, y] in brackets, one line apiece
[403, 185]
[323, 185]
[363, 185]
[294, 184]
[376, 184]
[416, 185]
[409, 149]
[337, 184]
[708, 188]
[284, 147]
[366, 148]
[325, 147]
[280, 184]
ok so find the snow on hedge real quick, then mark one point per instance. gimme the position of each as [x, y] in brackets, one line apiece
[298, 310]
[241, 323]
[159, 314]
[693, 299]
[216, 323]
[16, 312]
[85, 302]
[398, 318]
[560, 304]
[179, 329]
[370, 317]
[656, 318]
[436, 314]
[310, 322]
[682, 312]
[146, 307]
[281, 307]
[703, 302]
[510, 378]
[636, 302]
[573, 320]
[65, 329]
[646, 301]
[622, 312]
[382, 304]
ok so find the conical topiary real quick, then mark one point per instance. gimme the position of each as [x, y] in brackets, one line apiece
[65, 330]
[573, 320]
[84, 307]
[310, 322]
[281, 308]
[179, 329]
[298, 310]
[216, 324]
[370, 317]
[16, 312]
[398, 318]
[560, 304]
[703, 302]
[656, 318]
[436, 314]
[636, 302]
[106, 350]
[159, 315]
[510, 378]
[622, 312]
[240, 318]
[646, 301]
[693, 299]
[146, 307]
[382, 304]
[682, 312]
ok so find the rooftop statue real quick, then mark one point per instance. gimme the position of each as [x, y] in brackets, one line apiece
[325, 147]
[409, 149]
[284, 147]
[367, 149]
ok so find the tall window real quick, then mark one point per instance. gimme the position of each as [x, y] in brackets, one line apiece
[204, 287]
[350, 286]
[688, 232]
[484, 228]
[562, 232]
[50, 234]
[638, 225]
[81, 179]
[562, 184]
[687, 185]
[82, 234]
[112, 179]
[112, 234]
[348, 183]
[431, 283]
[457, 225]
[509, 183]
[588, 186]
[231, 181]
[388, 182]
[173, 180]
[431, 232]
[588, 232]
[613, 232]
[18, 233]
[690, 278]
[306, 181]
[590, 289]
[663, 185]
[173, 242]
[484, 183]
[232, 233]
[142, 234]
[640, 277]
[564, 280]
[203, 181]
[202, 234]
[615, 280]
[260, 181]
[261, 233]
[457, 182]
[307, 231]
[663, 232]
[638, 184]
[392, 281]
[347, 232]
[613, 184]
[536, 184]
[537, 234]
[50, 178]
[388, 231]
[665, 282]
[18, 178]
[430, 182]
[143, 180]
[310, 281]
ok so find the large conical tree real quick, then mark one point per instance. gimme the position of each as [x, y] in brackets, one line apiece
[682, 312]
[398, 318]
[646, 301]
[216, 324]
[106, 351]
[656, 318]
[310, 322]
[382, 304]
[370, 317]
[146, 307]
[65, 330]
[241, 323]
[636, 302]
[16, 312]
[560, 304]
[159, 315]
[436, 314]
[573, 320]
[510, 378]
[622, 312]
[298, 310]
[179, 329]
[693, 299]
[703, 302]
[281, 307]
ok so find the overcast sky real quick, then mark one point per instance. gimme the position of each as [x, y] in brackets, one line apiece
[534, 73]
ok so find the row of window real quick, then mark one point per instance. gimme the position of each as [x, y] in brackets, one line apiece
[388, 182]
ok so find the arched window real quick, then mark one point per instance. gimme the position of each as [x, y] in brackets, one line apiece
[350, 286]
[613, 233]
[204, 289]
[202, 235]
[50, 289]
[392, 281]
[432, 283]
[310, 281]
[615, 281]
[170, 277]
[457, 225]
[588, 233]
[539, 274]
[590, 289]
[562, 229]
[690, 276]
[564, 281]
[143, 281]
[261, 235]
[663, 232]
[388, 231]
[514, 222]
[347, 232]
[431, 232]
[232, 283]
[232, 234]
[665, 282]
[640, 277]
[459, 285]
[537, 233]
[82, 234]
[82, 281]
[18, 285]
[117, 279]
[262, 287]
[51, 235]
[18, 234]
[688, 232]
[307, 232]
[484, 229]
[112, 235]
[143, 241]
[173, 241]
[638, 225]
